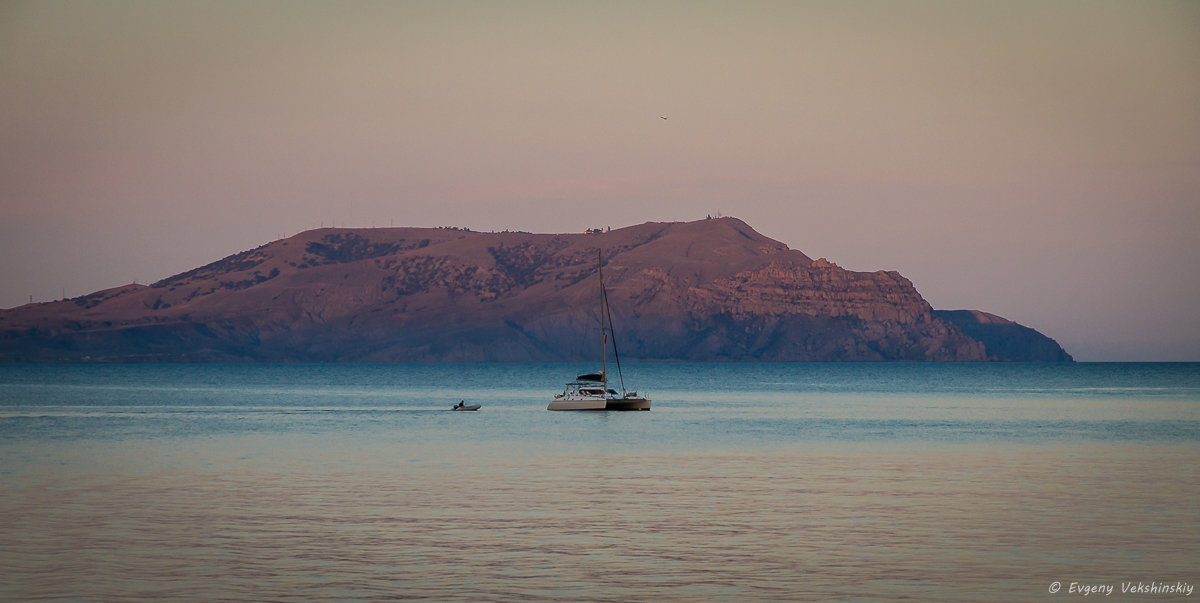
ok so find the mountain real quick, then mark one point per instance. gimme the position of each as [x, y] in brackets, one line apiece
[706, 290]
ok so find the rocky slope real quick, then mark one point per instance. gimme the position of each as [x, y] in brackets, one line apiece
[705, 290]
[1004, 339]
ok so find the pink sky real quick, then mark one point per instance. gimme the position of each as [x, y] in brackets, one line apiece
[1038, 160]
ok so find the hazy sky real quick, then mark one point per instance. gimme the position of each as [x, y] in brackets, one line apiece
[1039, 160]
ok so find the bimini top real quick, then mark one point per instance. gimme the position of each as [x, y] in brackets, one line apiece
[597, 377]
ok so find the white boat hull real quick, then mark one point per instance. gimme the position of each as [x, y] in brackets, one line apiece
[567, 403]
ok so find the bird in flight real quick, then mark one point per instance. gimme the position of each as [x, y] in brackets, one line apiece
[662, 116]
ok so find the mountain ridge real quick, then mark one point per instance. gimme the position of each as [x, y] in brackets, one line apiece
[712, 289]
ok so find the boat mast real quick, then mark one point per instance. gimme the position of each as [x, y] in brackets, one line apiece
[606, 314]
[603, 335]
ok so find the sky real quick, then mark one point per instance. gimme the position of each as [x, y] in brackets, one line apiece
[1039, 160]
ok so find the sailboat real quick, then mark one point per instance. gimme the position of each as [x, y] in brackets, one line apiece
[592, 391]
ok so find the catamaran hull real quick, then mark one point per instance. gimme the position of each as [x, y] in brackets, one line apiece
[629, 404]
[600, 404]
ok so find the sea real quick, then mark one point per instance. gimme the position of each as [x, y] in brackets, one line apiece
[746, 482]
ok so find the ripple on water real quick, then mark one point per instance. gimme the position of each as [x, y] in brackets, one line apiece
[968, 523]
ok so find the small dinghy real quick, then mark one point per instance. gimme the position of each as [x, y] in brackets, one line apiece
[461, 406]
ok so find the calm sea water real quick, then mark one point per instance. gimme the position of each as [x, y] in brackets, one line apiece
[943, 482]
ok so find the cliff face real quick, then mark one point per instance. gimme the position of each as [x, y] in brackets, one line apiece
[706, 290]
